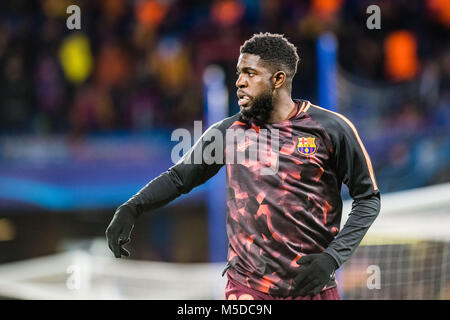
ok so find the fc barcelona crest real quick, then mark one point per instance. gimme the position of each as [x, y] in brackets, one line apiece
[307, 145]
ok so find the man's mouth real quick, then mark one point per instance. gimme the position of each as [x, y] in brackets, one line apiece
[243, 99]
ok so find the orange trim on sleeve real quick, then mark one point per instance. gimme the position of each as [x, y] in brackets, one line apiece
[308, 104]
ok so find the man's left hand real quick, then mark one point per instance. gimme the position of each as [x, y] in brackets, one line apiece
[315, 272]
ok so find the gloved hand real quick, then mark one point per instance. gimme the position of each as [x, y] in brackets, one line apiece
[119, 230]
[315, 272]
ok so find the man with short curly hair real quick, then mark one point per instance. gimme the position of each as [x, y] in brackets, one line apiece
[279, 57]
[285, 240]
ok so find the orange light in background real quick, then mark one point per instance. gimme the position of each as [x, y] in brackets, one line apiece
[401, 61]
[326, 8]
[441, 10]
[227, 12]
[150, 12]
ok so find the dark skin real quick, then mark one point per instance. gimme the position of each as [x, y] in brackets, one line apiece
[255, 77]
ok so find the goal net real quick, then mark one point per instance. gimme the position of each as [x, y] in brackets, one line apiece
[406, 252]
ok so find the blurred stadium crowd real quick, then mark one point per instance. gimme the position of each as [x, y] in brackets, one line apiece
[137, 66]
[84, 116]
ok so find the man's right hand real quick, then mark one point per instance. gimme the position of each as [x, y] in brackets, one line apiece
[119, 231]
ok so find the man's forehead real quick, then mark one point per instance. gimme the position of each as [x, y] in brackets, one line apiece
[247, 60]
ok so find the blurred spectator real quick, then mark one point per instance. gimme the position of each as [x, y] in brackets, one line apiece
[113, 67]
[49, 86]
[15, 91]
[92, 110]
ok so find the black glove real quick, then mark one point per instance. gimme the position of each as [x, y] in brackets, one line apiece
[119, 230]
[315, 273]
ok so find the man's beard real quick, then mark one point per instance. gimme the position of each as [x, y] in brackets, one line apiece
[260, 110]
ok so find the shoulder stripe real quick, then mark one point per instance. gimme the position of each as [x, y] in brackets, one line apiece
[308, 104]
[366, 155]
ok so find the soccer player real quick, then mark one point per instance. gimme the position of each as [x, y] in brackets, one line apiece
[283, 228]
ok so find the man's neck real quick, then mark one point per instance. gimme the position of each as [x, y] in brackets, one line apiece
[284, 108]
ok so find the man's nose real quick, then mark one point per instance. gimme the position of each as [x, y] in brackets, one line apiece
[241, 82]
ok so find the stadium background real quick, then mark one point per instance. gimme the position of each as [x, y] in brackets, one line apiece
[86, 117]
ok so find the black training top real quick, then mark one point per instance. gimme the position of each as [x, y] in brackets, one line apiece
[285, 202]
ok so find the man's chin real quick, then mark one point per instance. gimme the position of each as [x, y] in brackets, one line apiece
[258, 110]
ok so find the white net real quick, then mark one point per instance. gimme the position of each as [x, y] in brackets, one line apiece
[406, 253]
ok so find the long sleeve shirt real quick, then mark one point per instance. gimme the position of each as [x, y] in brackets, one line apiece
[284, 204]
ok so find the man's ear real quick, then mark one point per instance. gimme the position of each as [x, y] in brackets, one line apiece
[278, 79]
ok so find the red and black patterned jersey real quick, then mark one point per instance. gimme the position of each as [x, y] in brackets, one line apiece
[273, 220]
[294, 207]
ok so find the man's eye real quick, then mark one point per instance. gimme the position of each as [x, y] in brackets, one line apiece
[251, 75]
